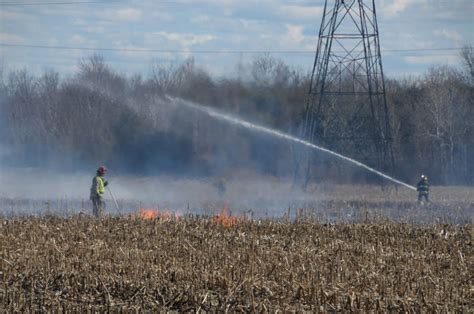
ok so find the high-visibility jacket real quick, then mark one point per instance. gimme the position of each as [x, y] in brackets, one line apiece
[423, 187]
[98, 187]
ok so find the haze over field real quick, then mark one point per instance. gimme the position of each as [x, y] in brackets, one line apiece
[58, 125]
[100, 117]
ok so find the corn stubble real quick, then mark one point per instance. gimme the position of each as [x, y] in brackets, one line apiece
[187, 264]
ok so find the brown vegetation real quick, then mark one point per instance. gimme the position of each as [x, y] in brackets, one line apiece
[190, 264]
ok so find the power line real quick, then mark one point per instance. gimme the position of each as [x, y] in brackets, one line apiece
[146, 50]
[54, 3]
[422, 49]
[10, 3]
[14, 4]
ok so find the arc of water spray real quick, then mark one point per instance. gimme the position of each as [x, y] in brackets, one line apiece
[237, 121]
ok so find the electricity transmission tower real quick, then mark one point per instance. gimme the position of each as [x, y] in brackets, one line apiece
[347, 108]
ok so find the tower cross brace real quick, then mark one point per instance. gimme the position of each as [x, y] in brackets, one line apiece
[346, 108]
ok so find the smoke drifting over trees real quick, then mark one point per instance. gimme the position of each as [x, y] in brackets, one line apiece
[100, 116]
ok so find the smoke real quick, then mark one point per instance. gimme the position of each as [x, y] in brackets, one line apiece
[4, 151]
[159, 155]
[180, 141]
[165, 167]
[29, 190]
[283, 136]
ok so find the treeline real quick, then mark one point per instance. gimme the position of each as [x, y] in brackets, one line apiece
[101, 116]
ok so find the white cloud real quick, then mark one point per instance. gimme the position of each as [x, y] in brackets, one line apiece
[201, 19]
[453, 35]
[128, 14]
[398, 6]
[406, 39]
[161, 16]
[295, 33]
[124, 14]
[294, 39]
[230, 25]
[53, 41]
[426, 60]
[11, 38]
[95, 29]
[301, 12]
[133, 51]
[15, 16]
[79, 40]
[183, 39]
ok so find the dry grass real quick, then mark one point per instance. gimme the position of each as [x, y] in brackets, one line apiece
[129, 264]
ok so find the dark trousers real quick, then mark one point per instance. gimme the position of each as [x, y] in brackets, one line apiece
[423, 195]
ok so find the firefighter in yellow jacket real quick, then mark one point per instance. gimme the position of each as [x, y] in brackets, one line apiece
[97, 192]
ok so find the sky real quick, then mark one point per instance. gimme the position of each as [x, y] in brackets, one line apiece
[134, 35]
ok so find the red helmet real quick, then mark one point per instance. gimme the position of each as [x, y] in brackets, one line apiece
[102, 170]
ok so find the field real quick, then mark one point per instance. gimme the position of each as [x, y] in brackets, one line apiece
[198, 264]
[331, 248]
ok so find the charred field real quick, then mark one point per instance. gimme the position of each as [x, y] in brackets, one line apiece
[131, 264]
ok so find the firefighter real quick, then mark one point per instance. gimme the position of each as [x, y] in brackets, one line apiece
[423, 188]
[97, 192]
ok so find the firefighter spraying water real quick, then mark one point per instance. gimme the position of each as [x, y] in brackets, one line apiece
[258, 128]
[99, 183]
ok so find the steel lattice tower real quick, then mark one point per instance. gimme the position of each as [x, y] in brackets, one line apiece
[347, 107]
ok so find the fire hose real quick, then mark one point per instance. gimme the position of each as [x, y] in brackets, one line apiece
[115, 201]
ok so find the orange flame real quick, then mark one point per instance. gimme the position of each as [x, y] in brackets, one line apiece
[154, 213]
[225, 219]
[148, 213]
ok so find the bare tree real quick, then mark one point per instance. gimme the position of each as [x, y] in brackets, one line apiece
[95, 74]
[467, 56]
[442, 118]
[102, 115]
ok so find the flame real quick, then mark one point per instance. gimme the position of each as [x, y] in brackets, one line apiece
[154, 213]
[225, 219]
[148, 213]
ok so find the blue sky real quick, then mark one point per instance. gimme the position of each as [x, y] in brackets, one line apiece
[185, 26]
